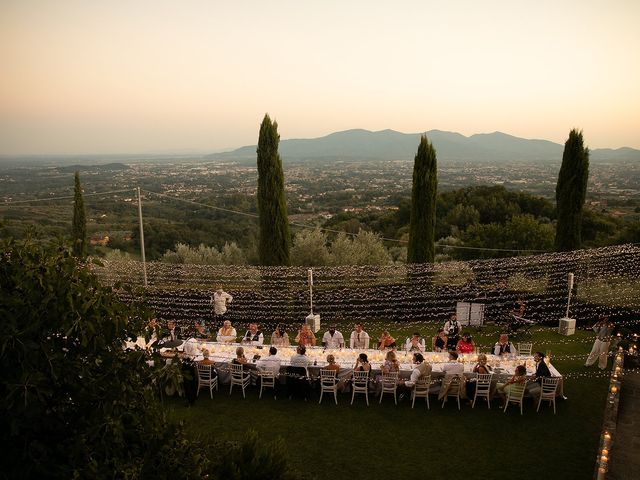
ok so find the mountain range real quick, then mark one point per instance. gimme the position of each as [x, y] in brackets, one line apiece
[361, 144]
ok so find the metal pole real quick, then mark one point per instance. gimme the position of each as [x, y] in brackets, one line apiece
[144, 262]
[310, 276]
[570, 281]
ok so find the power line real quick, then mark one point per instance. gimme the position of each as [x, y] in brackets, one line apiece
[253, 215]
[300, 225]
[7, 204]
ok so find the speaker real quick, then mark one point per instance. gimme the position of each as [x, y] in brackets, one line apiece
[567, 326]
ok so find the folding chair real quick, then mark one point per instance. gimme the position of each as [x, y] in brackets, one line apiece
[389, 385]
[360, 384]
[483, 388]
[206, 378]
[267, 380]
[548, 392]
[525, 349]
[516, 394]
[453, 389]
[239, 377]
[421, 389]
[328, 383]
[298, 382]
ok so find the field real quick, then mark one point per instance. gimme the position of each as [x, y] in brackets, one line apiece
[387, 441]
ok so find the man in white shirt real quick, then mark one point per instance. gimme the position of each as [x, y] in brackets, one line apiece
[253, 336]
[504, 347]
[300, 359]
[227, 334]
[271, 363]
[452, 367]
[219, 300]
[359, 338]
[415, 343]
[332, 338]
[420, 369]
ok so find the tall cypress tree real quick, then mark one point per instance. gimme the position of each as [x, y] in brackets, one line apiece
[571, 191]
[275, 241]
[422, 227]
[79, 227]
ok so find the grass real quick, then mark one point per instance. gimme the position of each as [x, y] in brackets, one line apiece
[385, 441]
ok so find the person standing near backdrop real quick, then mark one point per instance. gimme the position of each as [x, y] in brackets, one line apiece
[219, 300]
[600, 350]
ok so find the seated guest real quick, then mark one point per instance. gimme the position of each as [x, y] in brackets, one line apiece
[271, 363]
[305, 336]
[300, 359]
[415, 343]
[151, 333]
[202, 331]
[227, 334]
[518, 378]
[504, 347]
[451, 369]
[332, 338]
[359, 338]
[391, 363]
[465, 344]
[253, 336]
[386, 341]
[362, 363]
[240, 358]
[331, 363]
[439, 342]
[542, 371]
[280, 338]
[452, 329]
[420, 369]
[171, 335]
[205, 358]
[480, 368]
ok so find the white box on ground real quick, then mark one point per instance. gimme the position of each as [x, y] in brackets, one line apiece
[314, 322]
[567, 326]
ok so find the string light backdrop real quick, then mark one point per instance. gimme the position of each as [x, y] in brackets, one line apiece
[606, 282]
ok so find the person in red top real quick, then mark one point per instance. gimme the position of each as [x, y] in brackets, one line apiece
[465, 344]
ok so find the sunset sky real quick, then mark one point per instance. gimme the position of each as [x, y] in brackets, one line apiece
[133, 76]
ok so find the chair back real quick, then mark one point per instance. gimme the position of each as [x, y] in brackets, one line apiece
[389, 380]
[205, 373]
[549, 387]
[422, 385]
[327, 377]
[360, 379]
[236, 371]
[483, 381]
[516, 392]
[525, 348]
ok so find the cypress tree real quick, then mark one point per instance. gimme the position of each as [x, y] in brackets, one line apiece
[571, 191]
[275, 241]
[79, 227]
[422, 228]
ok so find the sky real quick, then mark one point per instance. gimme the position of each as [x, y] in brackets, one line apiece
[142, 76]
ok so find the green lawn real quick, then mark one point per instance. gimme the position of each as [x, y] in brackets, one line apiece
[385, 441]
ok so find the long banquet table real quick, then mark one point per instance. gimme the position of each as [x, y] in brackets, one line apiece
[222, 354]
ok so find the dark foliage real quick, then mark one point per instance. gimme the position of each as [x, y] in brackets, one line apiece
[421, 246]
[571, 192]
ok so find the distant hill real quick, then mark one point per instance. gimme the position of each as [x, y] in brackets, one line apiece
[361, 144]
[106, 167]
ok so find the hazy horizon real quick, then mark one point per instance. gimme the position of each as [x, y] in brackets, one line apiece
[149, 77]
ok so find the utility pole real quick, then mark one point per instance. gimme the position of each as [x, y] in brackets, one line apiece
[144, 263]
